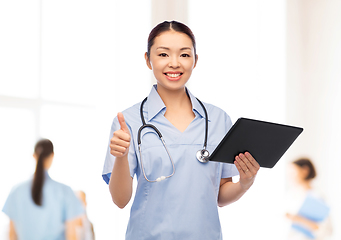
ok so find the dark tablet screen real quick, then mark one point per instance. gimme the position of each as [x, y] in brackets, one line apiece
[267, 142]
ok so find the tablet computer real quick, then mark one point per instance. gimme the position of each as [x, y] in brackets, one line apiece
[266, 141]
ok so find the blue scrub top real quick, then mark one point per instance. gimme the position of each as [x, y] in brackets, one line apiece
[183, 206]
[34, 222]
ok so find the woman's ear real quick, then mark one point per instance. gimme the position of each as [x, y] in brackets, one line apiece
[196, 60]
[148, 61]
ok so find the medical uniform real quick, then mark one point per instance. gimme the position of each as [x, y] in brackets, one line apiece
[183, 206]
[32, 222]
[309, 204]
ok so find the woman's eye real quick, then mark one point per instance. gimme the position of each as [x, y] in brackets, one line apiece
[185, 55]
[163, 55]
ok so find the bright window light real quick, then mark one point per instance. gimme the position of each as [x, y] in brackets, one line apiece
[19, 48]
[68, 67]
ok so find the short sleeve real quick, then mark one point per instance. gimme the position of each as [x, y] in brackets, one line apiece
[9, 208]
[110, 159]
[73, 207]
[228, 169]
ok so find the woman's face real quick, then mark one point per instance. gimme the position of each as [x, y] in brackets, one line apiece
[297, 173]
[172, 59]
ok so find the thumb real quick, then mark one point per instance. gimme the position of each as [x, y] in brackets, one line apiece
[122, 122]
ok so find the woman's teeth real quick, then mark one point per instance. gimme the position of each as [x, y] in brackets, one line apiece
[173, 75]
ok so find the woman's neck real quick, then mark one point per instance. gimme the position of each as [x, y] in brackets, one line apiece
[306, 185]
[174, 99]
[179, 107]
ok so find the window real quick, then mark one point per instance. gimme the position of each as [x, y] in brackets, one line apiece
[66, 70]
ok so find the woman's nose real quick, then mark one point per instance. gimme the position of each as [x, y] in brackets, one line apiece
[174, 62]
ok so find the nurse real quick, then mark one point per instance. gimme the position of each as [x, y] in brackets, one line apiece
[182, 205]
[42, 208]
[309, 213]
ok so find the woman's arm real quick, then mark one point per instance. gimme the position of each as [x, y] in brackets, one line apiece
[121, 183]
[303, 221]
[12, 232]
[230, 192]
[70, 229]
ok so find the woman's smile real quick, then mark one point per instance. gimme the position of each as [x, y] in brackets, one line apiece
[173, 76]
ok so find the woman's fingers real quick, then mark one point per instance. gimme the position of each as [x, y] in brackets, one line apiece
[241, 166]
[120, 134]
[116, 153]
[248, 163]
[118, 148]
[248, 168]
[119, 143]
[252, 160]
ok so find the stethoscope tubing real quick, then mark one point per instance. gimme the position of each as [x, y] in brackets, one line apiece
[202, 155]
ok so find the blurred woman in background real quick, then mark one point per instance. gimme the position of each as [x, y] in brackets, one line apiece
[85, 229]
[42, 208]
[309, 214]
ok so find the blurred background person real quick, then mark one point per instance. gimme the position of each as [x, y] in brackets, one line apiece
[308, 212]
[84, 229]
[42, 208]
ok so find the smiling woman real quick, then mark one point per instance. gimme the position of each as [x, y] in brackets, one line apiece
[182, 202]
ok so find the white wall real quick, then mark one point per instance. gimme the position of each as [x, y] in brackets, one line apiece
[241, 69]
[314, 87]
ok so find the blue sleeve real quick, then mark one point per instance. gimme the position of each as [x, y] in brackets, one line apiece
[9, 208]
[110, 159]
[229, 170]
[73, 207]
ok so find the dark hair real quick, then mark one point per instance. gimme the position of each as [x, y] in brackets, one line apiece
[305, 162]
[43, 149]
[168, 26]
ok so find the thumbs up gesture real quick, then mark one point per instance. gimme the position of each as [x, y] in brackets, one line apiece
[120, 142]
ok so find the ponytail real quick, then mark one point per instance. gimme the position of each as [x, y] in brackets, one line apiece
[43, 149]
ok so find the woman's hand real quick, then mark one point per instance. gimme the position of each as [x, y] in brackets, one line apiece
[121, 183]
[248, 168]
[120, 142]
[302, 221]
[230, 192]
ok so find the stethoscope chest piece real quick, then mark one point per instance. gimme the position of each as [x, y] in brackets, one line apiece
[203, 155]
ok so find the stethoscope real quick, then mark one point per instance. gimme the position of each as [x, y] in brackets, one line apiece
[202, 155]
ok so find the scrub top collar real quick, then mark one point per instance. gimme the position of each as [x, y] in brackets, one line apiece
[158, 105]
